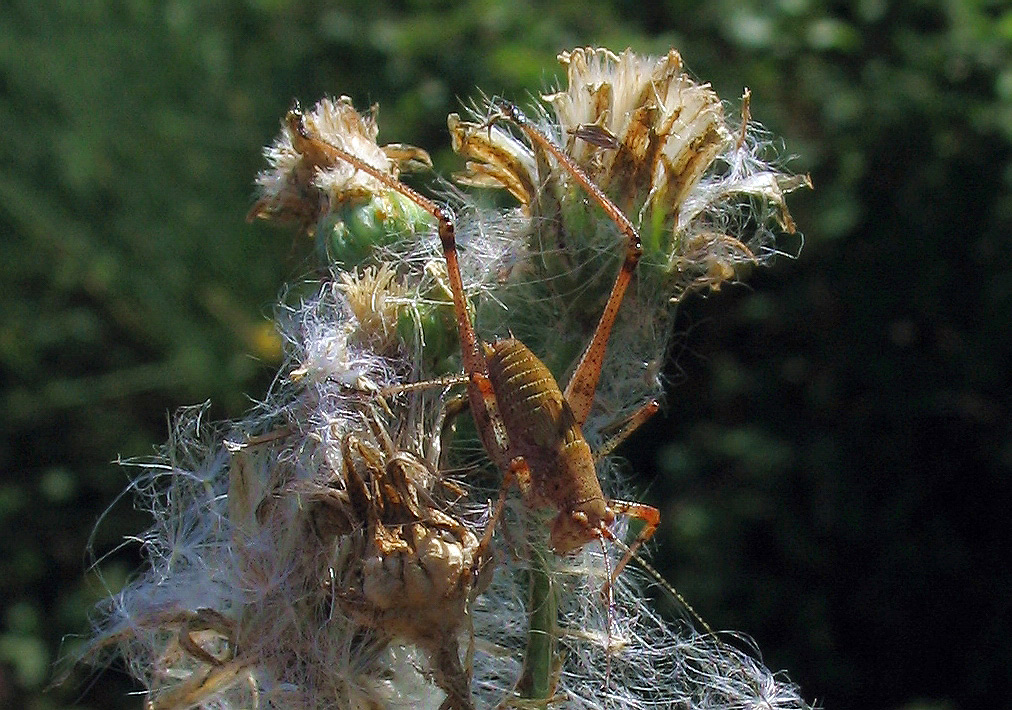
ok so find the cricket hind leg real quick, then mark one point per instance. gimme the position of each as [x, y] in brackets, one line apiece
[583, 383]
[484, 408]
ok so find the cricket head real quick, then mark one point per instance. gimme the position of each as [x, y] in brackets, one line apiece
[588, 520]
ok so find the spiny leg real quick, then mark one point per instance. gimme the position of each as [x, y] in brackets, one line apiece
[582, 385]
[626, 427]
[518, 472]
[438, 382]
[480, 392]
[651, 518]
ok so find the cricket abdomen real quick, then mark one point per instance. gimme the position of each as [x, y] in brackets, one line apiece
[542, 429]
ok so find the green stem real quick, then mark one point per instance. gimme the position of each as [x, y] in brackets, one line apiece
[540, 658]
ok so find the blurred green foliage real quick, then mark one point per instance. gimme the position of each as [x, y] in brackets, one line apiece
[834, 466]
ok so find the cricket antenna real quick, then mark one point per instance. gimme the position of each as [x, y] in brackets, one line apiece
[755, 685]
[659, 579]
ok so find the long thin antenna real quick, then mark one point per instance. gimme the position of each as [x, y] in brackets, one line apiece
[665, 584]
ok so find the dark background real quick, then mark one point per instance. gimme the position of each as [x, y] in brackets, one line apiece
[833, 464]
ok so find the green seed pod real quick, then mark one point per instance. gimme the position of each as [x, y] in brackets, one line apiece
[347, 236]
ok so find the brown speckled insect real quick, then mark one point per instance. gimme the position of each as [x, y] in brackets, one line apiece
[530, 428]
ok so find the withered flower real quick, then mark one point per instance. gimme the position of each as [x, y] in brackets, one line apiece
[308, 185]
[658, 143]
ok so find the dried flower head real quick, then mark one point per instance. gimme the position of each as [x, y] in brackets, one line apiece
[657, 142]
[644, 130]
[399, 564]
[347, 210]
[307, 555]
[377, 300]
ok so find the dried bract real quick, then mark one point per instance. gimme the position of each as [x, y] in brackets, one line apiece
[658, 143]
[402, 566]
[304, 183]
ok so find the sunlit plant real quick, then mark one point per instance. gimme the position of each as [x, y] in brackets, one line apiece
[329, 550]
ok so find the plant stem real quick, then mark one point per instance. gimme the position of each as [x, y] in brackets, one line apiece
[540, 658]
